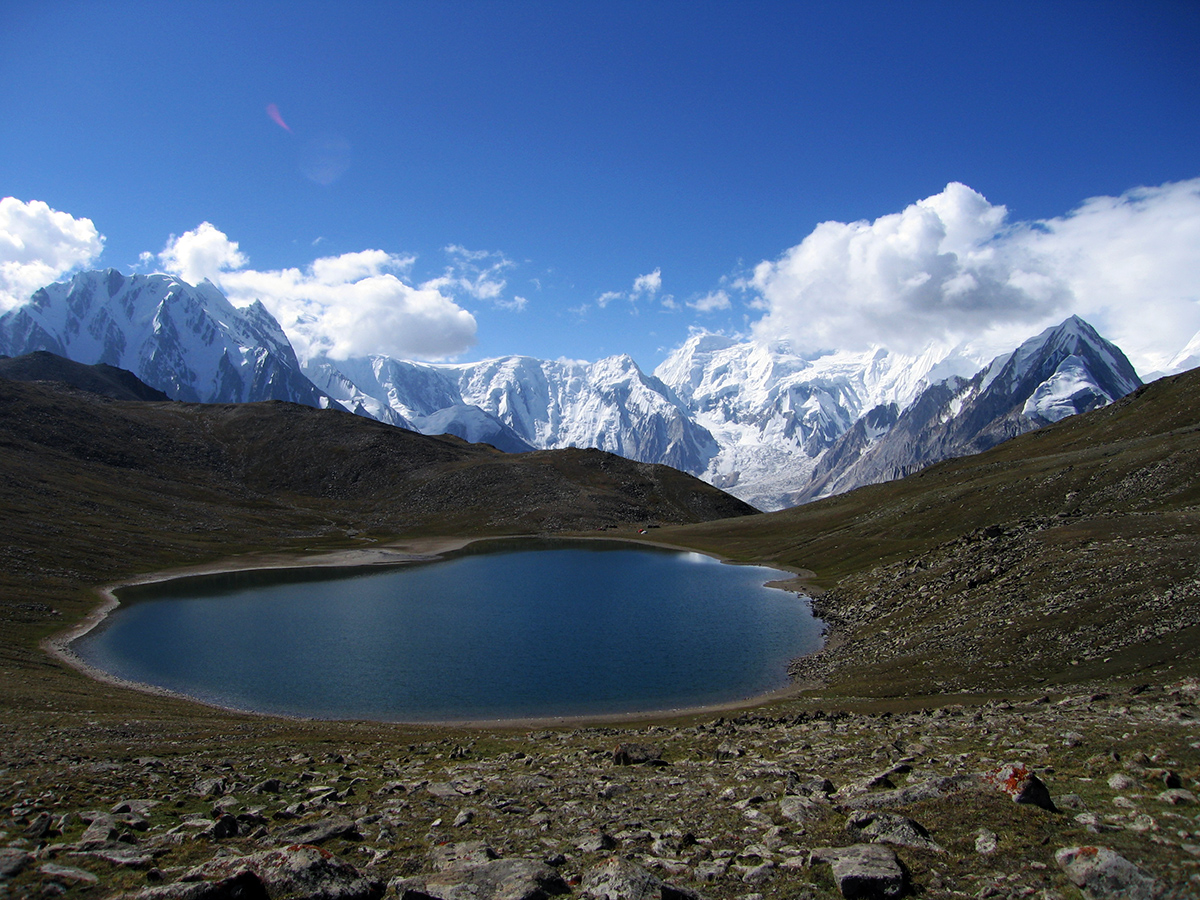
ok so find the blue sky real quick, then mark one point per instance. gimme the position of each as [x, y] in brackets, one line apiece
[582, 179]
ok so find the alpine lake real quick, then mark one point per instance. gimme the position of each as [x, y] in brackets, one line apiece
[529, 629]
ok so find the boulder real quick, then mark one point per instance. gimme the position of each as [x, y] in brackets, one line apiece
[1022, 785]
[242, 886]
[864, 870]
[13, 861]
[1106, 874]
[889, 828]
[621, 879]
[320, 831]
[497, 879]
[298, 870]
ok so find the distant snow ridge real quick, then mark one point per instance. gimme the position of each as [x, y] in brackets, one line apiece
[521, 403]
[188, 341]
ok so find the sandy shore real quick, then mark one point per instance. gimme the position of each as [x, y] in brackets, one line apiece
[396, 554]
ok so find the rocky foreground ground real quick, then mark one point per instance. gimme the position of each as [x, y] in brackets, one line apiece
[1088, 794]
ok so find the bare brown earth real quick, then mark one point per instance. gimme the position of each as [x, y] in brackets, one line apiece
[1034, 605]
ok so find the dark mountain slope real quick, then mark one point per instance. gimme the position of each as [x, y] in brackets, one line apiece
[95, 488]
[1067, 553]
[103, 379]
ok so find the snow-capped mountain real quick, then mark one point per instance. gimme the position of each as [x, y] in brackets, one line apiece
[774, 413]
[188, 341]
[766, 424]
[1063, 371]
[521, 403]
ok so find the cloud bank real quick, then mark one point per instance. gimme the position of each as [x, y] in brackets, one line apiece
[952, 268]
[38, 245]
[339, 306]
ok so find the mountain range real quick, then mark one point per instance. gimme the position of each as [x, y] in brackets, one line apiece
[764, 423]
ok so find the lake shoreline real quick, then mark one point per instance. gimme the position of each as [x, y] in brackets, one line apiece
[399, 553]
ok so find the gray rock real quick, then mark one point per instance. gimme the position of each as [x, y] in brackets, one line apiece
[320, 831]
[1022, 785]
[628, 754]
[13, 861]
[801, 809]
[864, 870]
[498, 879]
[596, 843]
[986, 841]
[300, 870]
[929, 789]
[39, 827]
[210, 788]
[68, 873]
[1178, 797]
[889, 828]
[620, 879]
[462, 855]
[1105, 874]
[242, 886]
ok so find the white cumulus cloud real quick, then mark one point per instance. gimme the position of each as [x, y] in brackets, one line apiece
[203, 253]
[340, 306]
[38, 245]
[952, 267]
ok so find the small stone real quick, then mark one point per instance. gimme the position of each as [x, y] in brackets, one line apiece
[321, 831]
[801, 809]
[13, 861]
[596, 843]
[1178, 797]
[68, 873]
[1121, 782]
[1022, 785]
[864, 870]
[461, 855]
[499, 879]
[464, 817]
[628, 754]
[890, 828]
[986, 841]
[1105, 874]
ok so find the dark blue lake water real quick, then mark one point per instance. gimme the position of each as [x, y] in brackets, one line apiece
[574, 629]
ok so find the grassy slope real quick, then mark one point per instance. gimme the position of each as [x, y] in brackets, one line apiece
[1069, 553]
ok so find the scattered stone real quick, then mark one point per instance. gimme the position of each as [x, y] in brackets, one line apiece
[621, 879]
[39, 827]
[597, 842]
[461, 855]
[1105, 874]
[1121, 782]
[68, 873]
[864, 870]
[321, 831]
[889, 828]
[464, 817]
[499, 879]
[1178, 797]
[726, 751]
[242, 886]
[13, 861]
[801, 809]
[1022, 785]
[986, 842]
[211, 788]
[300, 870]
[929, 789]
[628, 754]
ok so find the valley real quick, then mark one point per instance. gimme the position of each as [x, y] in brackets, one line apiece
[1033, 605]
